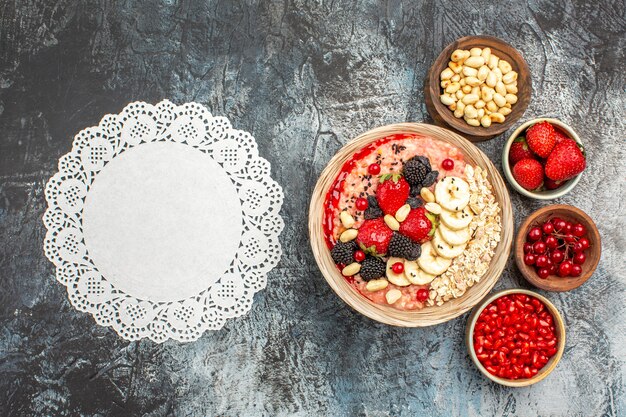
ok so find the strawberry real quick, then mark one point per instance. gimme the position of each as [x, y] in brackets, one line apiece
[528, 173]
[541, 139]
[565, 162]
[519, 150]
[419, 225]
[392, 193]
[374, 236]
[559, 135]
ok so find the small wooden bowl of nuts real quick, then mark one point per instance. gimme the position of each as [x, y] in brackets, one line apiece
[479, 86]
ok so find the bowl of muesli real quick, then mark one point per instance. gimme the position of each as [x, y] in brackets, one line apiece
[411, 224]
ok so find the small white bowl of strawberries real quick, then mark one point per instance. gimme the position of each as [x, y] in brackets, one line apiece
[543, 159]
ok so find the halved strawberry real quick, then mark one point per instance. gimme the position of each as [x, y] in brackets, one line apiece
[392, 193]
[374, 236]
[419, 225]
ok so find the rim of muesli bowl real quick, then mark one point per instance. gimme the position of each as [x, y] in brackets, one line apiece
[427, 316]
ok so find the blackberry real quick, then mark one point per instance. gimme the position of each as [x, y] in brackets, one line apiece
[372, 268]
[415, 171]
[414, 202]
[430, 178]
[373, 213]
[401, 246]
[343, 253]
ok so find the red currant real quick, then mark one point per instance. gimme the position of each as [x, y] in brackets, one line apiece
[528, 247]
[559, 224]
[565, 268]
[541, 261]
[359, 256]
[576, 271]
[397, 268]
[569, 227]
[579, 230]
[569, 238]
[547, 228]
[557, 256]
[422, 294]
[551, 242]
[534, 234]
[578, 247]
[447, 164]
[579, 258]
[539, 247]
[585, 242]
[552, 268]
[529, 259]
[543, 273]
[374, 169]
[361, 204]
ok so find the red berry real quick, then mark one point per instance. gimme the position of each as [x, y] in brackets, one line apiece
[361, 204]
[551, 242]
[585, 242]
[559, 224]
[539, 247]
[519, 150]
[569, 228]
[569, 238]
[578, 247]
[542, 261]
[576, 271]
[543, 273]
[579, 258]
[528, 247]
[552, 268]
[565, 161]
[557, 256]
[422, 294]
[447, 164]
[528, 173]
[534, 234]
[398, 267]
[374, 169]
[540, 138]
[579, 230]
[565, 268]
[359, 256]
[529, 259]
[547, 228]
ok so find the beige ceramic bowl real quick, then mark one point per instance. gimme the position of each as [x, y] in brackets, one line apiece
[539, 195]
[549, 367]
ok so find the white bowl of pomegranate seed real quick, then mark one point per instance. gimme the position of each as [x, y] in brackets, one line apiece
[515, 337]
[558, 248]
[543, 159]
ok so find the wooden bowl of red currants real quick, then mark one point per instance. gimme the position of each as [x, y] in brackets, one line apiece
[557, 248]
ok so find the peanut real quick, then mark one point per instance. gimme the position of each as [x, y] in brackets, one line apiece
[351, 269]
[427, 195]
[485, 121]
[346, 219]
[476, 51]
[472, 122]
[470, 99]
[509, 77]
[497, 117]
[393, 295]
[446, 99]
[376, 285]
[403, 212]
[511, 98]
[446, 74]
[391, 222]
[470, 112]
[474, 61]
[348, 235]
[433, 208]
[453, 88]
[499, 99]
[459, 55]
[469, 71]
[504, 66]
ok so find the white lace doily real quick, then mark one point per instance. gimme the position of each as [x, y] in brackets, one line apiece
[163, 221]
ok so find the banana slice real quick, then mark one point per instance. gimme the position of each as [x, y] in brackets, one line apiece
[454, 237]
[452, 193]
[416, 275]
[396, 279]
[456, 220]
[431, 262]
[444, 249]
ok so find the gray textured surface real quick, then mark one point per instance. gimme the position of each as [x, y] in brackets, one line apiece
[304, 78]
